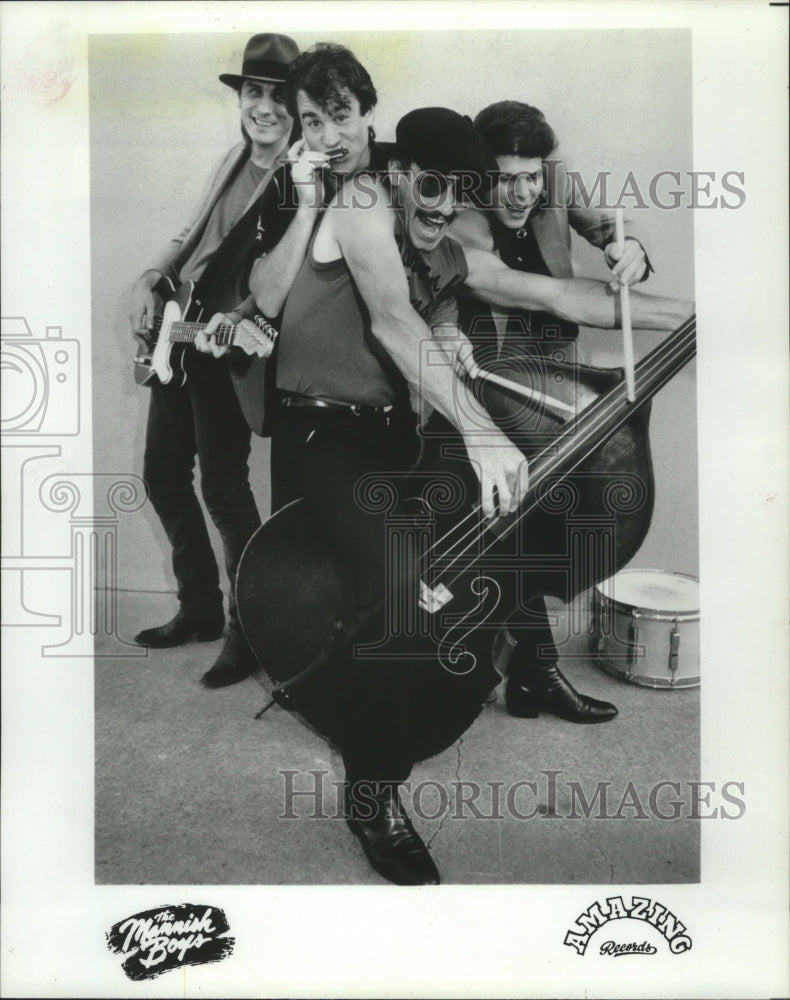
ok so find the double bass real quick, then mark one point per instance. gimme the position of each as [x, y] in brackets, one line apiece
[584, 516]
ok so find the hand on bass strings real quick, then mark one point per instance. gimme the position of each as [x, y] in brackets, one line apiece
[502, 470]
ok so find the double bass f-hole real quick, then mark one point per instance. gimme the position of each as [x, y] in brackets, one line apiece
[454, 655]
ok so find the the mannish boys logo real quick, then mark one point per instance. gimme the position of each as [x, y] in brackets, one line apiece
[639, 908]
[169, 937]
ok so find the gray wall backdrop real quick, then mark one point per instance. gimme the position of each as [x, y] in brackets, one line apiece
[160, 119]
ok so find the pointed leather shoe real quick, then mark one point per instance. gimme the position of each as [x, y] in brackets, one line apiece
[392, 845]
[234, 663]
[182, 628]
[545, 689]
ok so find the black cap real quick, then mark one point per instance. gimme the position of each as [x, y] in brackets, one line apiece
[442, 140]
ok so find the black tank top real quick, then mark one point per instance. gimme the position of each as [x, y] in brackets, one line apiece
[326, 346]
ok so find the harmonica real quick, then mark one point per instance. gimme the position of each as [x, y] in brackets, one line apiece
[336, 153]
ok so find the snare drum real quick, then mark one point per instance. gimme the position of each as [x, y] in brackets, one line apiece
[645, 628]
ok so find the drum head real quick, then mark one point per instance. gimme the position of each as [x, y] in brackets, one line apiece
[653, 590]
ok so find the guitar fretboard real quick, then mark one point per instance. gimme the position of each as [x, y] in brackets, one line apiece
[185, 333]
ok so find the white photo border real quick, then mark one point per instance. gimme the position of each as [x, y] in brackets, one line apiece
[455, 941]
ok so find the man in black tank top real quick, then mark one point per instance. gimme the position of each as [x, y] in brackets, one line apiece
[385, 273]
[371, 281]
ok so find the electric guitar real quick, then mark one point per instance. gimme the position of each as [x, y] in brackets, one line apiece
[175, 328]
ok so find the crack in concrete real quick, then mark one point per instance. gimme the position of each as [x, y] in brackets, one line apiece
[443, 820]
[611, 866]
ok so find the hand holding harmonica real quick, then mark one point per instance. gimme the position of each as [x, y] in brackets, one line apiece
[323, 158]
[307, 168]
[300, 147]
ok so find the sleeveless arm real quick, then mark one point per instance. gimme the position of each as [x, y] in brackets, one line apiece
[577, 300]
[274, 272]
[366, 240]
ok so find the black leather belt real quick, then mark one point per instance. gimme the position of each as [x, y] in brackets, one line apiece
[356, 409]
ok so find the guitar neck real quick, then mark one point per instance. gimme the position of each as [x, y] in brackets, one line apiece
[185, 333]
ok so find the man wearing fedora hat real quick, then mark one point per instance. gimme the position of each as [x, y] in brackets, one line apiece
[203, 417]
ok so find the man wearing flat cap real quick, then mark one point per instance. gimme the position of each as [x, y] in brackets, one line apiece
[203, 417]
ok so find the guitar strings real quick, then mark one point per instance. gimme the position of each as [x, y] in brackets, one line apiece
[185, 332]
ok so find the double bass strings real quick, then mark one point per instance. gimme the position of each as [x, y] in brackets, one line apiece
[651, 375]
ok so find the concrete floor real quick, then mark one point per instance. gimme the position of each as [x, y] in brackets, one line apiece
[189, 789]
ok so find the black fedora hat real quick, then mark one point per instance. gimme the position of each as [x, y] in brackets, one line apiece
[266, 57]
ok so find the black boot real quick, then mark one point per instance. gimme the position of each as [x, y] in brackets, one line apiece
[393, 847]
[182, 628]
[532, 687]
[234, 663]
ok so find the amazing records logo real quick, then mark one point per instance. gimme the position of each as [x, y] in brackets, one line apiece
[641, 924]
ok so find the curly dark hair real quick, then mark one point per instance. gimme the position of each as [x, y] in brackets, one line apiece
[510, 128]
[323, 72]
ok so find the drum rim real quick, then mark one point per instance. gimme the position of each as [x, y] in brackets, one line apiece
[652, 681]
[651, 614]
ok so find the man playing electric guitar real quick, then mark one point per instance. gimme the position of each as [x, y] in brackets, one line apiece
[202, 416]
[163, 361]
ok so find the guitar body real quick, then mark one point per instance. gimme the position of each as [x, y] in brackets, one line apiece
[164, 364]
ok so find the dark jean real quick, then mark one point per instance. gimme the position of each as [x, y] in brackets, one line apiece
[203, 418]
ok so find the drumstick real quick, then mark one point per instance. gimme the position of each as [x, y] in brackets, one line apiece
[539, 397]
[625, 311]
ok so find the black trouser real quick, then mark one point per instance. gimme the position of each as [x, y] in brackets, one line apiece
[203, 418]
[530, 628]
[323, 456]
